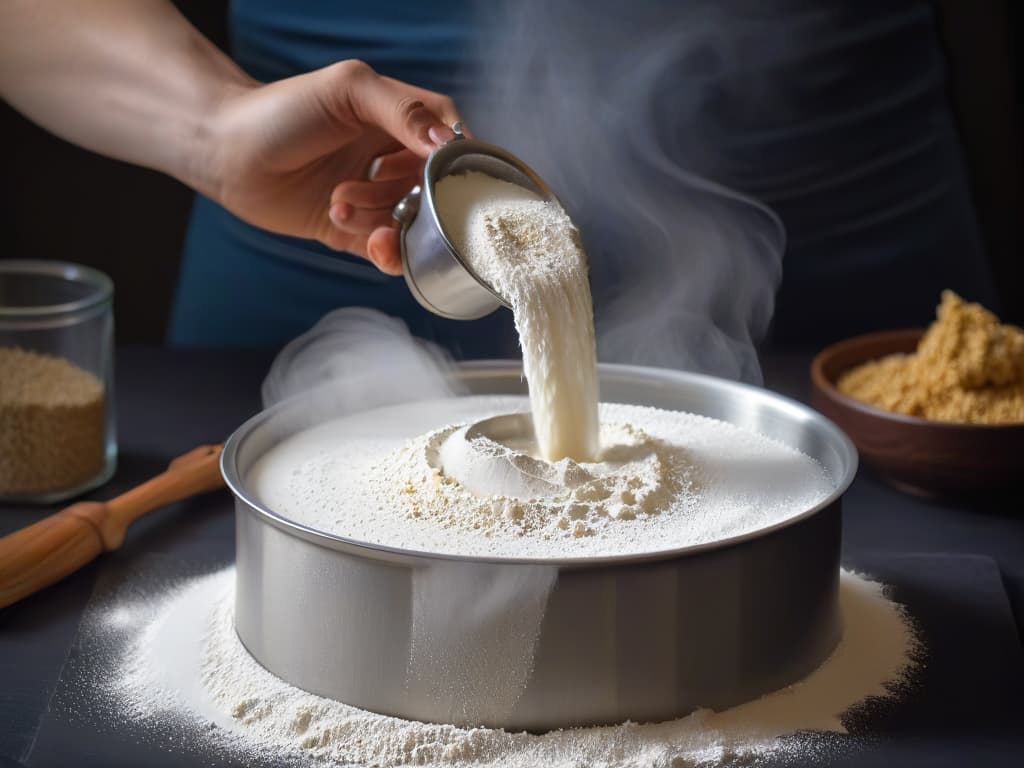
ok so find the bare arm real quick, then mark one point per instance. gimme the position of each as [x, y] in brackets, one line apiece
[133, 80]
[128, 79]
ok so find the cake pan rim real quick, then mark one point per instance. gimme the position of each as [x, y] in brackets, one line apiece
[232, 477]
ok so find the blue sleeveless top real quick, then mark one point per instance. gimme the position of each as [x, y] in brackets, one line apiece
[424, 43]
[240, 285]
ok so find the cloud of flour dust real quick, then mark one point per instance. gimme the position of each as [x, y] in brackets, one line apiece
[355, 359]
[615, 105]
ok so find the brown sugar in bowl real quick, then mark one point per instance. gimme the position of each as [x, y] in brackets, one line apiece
[915, 454]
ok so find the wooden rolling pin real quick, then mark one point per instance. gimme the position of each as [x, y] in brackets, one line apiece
[45, 552]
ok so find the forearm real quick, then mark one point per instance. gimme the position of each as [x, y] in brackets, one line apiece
[131, 79]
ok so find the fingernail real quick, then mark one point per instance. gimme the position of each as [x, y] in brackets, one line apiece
[440, 134]
[340, 212]
[374, 169]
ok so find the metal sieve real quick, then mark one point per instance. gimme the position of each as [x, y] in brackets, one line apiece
[435, 271]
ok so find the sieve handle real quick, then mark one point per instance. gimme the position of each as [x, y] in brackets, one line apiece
[45, 552]
[408, 207]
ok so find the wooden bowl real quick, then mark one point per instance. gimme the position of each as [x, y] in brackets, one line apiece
[915, 454]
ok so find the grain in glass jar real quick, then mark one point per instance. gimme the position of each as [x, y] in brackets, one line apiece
[57, 436]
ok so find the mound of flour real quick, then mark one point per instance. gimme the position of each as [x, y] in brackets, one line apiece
[183, 660]
[463, 483]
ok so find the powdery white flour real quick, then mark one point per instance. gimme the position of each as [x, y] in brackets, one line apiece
[183, 661]
[408, 476]
[528, 250]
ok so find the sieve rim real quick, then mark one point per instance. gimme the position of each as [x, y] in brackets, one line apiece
[101, 293]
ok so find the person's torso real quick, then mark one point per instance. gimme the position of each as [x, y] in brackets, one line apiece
[423, 43]
[846, 131]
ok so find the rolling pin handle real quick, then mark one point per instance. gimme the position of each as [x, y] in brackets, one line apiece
[56, 546]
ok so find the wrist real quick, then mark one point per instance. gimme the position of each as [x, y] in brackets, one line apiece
[201, 163]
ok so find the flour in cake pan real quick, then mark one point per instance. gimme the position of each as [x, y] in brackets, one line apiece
[403, 477]
[181, 661]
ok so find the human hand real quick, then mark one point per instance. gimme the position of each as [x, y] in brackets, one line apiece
[296, 156]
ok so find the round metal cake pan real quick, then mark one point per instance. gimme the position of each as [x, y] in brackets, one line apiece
[541, 644]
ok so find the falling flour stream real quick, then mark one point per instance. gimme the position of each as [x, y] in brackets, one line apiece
[528, 250]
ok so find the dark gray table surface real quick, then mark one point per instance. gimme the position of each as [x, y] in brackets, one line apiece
[171, 400]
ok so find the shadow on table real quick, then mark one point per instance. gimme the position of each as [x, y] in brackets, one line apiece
[963, 706]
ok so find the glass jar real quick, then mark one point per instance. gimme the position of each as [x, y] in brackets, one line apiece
[57, 436]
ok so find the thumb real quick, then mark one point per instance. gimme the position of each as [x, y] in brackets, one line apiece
[417, 118]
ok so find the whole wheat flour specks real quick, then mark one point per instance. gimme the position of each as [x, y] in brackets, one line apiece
[408, 476]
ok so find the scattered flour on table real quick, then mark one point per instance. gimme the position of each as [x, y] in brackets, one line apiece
[409, 476]
[183, 660]
[528, 250]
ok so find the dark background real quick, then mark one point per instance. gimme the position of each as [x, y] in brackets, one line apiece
[60, 202]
